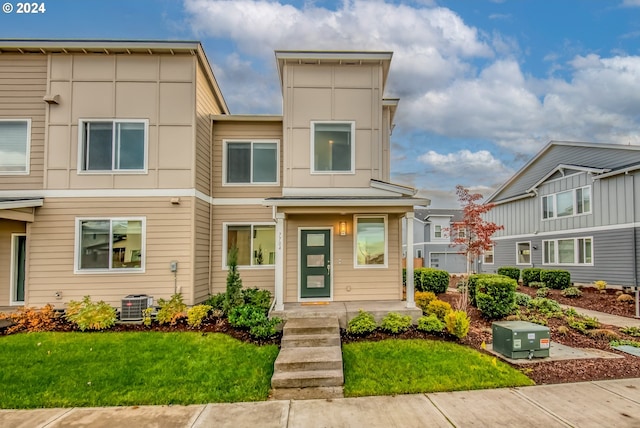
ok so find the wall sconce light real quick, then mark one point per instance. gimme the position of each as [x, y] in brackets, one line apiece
[343, 228]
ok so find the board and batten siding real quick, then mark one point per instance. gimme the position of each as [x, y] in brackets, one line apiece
[7, 228]
[23, 84]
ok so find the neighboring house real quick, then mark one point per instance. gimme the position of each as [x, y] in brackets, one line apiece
[574, 206]
[433, 233]
[122, 172]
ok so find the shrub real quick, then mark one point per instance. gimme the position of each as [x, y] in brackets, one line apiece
[530, 275]
[362, 324]
[624, 342]
[457, 323]
[625, 298]
[563, 330]
[233, 296]
[538, 284]
[265, 329]
[472, 285]
[522, 299]
[216, 301]
[547, 307]
[171, 311]
[32, 319]
[510, 271]
[582, 324]
[257, 297]
[603, 333]
[438, 308]
[88, 315]
[430, 324]
[542, 292]
[430, 279]
[631, 331]
[196, 314]
[254, 319]
[556, 279]
[571, 292]
[496, 296]
[395, 323]
[147, 316]
[600, 285]
[423, 298]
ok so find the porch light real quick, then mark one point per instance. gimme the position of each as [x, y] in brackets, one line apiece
[343, 228]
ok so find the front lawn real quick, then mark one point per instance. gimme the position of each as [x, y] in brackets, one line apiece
[132, 368]
[419, 366]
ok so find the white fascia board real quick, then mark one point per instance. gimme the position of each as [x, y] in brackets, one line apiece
[9, 205]
[562, 167]
[618, 172]
[515, 198]
[336, 192]
[344, 202]
[392, 187]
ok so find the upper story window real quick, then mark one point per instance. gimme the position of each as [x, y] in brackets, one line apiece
[110, 244]
[251, 162]
[15, 138]
[462, 232]
[437, 231]
[113, 145]
[487, 256]
[333, 147]
[568, 203]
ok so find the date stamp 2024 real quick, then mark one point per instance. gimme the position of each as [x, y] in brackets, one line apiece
[24, 8]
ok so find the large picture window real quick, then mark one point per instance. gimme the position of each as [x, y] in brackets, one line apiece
[114, 145]
[251, 162]
[570, 251]
[568, 203]
[371, 241]
[110, 244]
[15, 136]
[333, 147]
[256, 244]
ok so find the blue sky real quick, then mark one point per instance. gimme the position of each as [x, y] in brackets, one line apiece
[484, 84]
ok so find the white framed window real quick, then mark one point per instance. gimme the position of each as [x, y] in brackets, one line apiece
[568, 203]
[113, 145]
[256, 244]
[523, 253]
[487, 256]
[15, 146]
[251, 162]
[462, 232]
[110, 244]
[437, 231]
[568, 251]
[419, 253]
[370, 243]
[333, 147]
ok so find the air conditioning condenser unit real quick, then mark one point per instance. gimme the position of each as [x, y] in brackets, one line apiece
[133, 305]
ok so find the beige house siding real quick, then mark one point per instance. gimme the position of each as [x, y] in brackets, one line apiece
[202, 250]
[7, 228]
[23, 83]
[51, 249]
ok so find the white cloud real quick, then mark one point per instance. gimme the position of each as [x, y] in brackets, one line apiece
[465, 163]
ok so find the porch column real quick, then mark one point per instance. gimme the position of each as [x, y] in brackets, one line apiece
[411, 303]
[279, 274]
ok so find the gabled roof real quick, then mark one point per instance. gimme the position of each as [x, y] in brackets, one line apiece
[425, 213]
[596, 158]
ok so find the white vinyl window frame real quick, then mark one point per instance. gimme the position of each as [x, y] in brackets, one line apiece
[385, 219]
[110, 270]
[577, 242]
[27, 165]
[492, 251]
[13, 301]
[113, 170]
[225, 242]
[518, 246]
[312, 164]
[225, 166]
[578, 205]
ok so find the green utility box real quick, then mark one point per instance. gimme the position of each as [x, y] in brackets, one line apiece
[521, 339]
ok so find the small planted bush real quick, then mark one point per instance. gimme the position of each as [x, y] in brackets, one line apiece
[217, 301]
[88, 315]
[362, 324]
[171, 311]
[33, 319]
[196, 314]
[395, 323]
[522, 299]
[537, 284]
[423, 298]
[257, 297]
[571, 292]
[530, 275]
[472, 284]
[430, 279]
[556, 278]
[601, 286]
[625, 298]
[542, 292]
[547, 307]
[438, 308]
[430, 324]
[457, 323]
[496, 296]
[254, 319]
[510, 271]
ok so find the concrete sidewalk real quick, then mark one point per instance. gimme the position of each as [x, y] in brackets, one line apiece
[614, 403]
[608, 319]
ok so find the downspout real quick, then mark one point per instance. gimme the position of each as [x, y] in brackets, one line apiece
[210, 203]
[635, 250]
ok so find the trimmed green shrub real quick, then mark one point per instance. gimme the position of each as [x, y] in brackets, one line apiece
[217, 301]
[537, 284]
[196, 314]
[171, 311]
[88, 315]
[395, 323]
[556, 279]
[457, 323]
[363, 323]
[430, 324]
[439, 308]
[257, 297]
[472, 283]
[522, 299]
[423, 298]
[510, 271]
[542, 291]
[430, 279]
[496, 296]
[547, 307]
[530, 275]
[255, 319]
[571, 292]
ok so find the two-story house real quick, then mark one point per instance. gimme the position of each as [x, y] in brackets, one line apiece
[574, 206]
[122, 172]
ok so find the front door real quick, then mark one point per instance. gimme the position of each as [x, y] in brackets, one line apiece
[18, 258]
[315, 263]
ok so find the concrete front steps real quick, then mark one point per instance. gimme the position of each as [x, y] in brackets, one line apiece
[309, 364]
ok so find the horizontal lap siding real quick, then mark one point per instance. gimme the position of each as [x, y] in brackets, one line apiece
[205, 106]
[7, 227]
[202, 240]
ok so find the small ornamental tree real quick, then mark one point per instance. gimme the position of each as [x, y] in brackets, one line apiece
[233, 296]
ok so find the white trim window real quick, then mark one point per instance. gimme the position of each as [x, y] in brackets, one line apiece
[333, 147]
[113, 145]
[15, 146]
[251, 162]
[437, 231]
[110, 244]
[256, 243]
[419, 253]
[371, 241]
[487, 256]
[568, 251]
[568, 203]
[523, 253]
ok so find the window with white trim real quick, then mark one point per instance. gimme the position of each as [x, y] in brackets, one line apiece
[419, 253]
[569, 251]
[437, 231]
[567, 203]
[256, 244]
[487, 256]
[15, 140]
[110, 244]
[332, 147]
[251, 162]
[370, 241]
[113, 145]
[523, 255]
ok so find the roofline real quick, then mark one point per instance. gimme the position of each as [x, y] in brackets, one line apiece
[332, 202]
[514, 198]
[246, 118]
[392, 187]
[562, 167]
[618, 172]
[21, 203]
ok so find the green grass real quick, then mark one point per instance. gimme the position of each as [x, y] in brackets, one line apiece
[417, 366]
[117, 369]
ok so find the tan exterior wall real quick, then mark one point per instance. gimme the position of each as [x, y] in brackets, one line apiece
[157, 88]
[349, 283]
[51, 249]
[202, 250]
[7, 228]
[23, 83]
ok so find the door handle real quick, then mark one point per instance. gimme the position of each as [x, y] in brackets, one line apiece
[329, 267]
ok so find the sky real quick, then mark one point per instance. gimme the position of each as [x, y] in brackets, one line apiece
[483, 84]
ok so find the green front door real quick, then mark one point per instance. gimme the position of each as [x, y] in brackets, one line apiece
[315, 263]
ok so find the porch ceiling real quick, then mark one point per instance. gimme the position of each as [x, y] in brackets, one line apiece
[337, 203]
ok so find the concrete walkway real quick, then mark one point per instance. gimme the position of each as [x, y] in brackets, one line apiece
[614, 403]
[613, 320]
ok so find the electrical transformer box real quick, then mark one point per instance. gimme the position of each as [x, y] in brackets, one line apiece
[521, 339]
